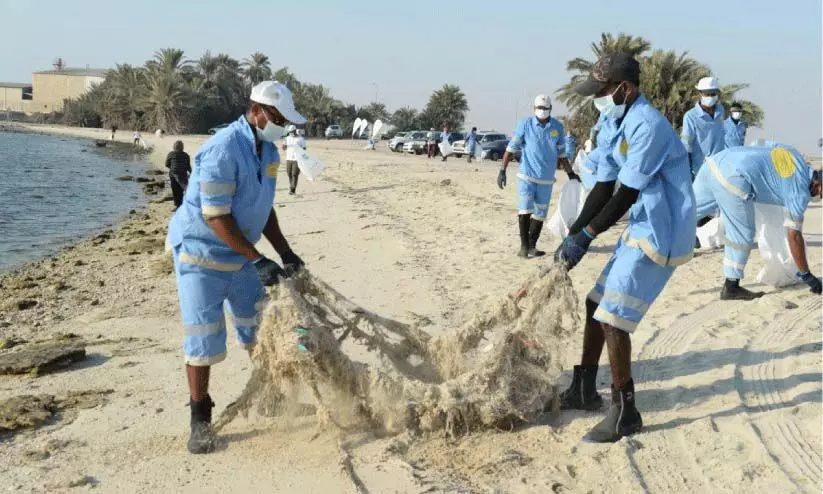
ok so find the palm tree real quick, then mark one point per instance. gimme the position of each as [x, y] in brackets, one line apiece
[405, 119]
[447, 106]
[208, 68]
[257, 68]
[633, 45]
[168, 61]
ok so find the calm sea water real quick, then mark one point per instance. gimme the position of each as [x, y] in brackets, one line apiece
[54, 190]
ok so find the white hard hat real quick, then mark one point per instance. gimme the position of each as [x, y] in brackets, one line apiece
[273, 93]
[301, 132]
[542, 100]
[708, 84]
[291, 128]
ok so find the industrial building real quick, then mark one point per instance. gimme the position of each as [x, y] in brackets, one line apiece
[48, 89]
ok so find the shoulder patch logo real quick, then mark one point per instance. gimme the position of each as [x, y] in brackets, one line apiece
[783, 162]
[272, 169]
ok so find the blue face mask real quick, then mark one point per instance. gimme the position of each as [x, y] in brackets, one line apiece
[607, 107]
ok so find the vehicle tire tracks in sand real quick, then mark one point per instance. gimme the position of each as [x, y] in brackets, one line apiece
[755, 379]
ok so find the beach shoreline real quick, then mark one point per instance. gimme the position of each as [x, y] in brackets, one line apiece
[413, 239]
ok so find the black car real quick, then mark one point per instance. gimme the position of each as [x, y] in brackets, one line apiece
[493, 150]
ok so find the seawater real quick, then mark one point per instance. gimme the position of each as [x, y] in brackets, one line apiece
[55, 190]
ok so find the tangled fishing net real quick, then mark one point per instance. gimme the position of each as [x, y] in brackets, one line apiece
[500, 368]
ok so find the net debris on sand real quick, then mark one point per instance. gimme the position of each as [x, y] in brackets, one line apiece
[498, 369]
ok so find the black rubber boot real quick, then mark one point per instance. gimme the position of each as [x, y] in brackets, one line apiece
[523, 224]
[534, 234]
[622, 420]
[201, 439]
[582, 393]
[733, 291]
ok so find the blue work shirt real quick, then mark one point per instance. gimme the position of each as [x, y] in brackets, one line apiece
[644, 153]
[702, 134]
[471, 139]
[597, 126]
[777, 173]
[571, 146]
[228, 178]
[607, 127]
[735, 132]
[540, 146]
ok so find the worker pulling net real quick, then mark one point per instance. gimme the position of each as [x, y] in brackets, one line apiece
[500, 368]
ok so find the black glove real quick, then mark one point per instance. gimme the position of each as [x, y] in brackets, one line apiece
[815, 286]
[292, 262]
[501, 178]
[573, 248]
[574, 176]
[269, 271]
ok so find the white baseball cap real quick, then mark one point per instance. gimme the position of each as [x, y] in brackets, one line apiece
[276, 94]
[542, 100]
[708, 84]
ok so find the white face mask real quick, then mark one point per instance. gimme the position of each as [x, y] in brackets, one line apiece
[708, 101]
[607, 107]
[736, 115]
[272, 132]
[542, 114]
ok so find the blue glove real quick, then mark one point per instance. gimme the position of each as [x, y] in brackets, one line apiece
[501, 178]
[269, 271]
[292, 262]
[573, 248]
[815, 286]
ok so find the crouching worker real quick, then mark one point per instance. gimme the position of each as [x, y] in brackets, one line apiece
[733, 180]
[228, 207]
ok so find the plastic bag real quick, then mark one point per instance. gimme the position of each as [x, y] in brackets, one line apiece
[309, 166]
[568, 207]
[711, 234]
[779, 268]
[445, 148]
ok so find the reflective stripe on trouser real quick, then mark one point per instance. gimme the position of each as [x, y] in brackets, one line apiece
[203, 292]
[627, 287]
[534, 199]
[714, 191]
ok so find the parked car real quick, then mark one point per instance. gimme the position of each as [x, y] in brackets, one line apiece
[396, 142]
[334, 132]
[416, 144]
[493, 150]
[217, 128]
[459, 147]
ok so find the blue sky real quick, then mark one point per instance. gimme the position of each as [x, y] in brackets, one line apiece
[500, 53]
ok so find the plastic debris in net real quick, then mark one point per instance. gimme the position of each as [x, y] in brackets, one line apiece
[499, 369]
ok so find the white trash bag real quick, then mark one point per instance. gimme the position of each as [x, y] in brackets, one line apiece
[568, 207]
[780, 268]
[309, 166]
[445, 148]
[711, 234]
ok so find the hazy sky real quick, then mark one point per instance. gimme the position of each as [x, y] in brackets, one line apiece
[500, 53]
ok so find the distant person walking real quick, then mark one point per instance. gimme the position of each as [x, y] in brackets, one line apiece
[444, 137]
[179, 164]
[471, 144]
[735, 127]
[704, 133]
[137, 138]
[294, 141]
[113, 131]
[431, 143]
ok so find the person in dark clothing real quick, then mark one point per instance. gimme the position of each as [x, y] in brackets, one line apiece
[179, 164]
[113, 131]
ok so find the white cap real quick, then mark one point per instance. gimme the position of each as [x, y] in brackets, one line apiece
[708, 84]
[542, 100]
[291, 128]
[276, 94]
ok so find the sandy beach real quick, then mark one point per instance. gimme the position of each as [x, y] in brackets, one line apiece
[730, 392]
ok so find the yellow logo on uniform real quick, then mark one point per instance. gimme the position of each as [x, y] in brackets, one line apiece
[554, 133]
[783, 162]
[624, 146]
[272, 168]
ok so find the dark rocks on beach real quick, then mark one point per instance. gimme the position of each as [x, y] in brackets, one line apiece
[153, 187]
[25, 304]
[126, 178]
[43, 357]
[142, 180]
[155, 172]
[31, 411]
[166, 198]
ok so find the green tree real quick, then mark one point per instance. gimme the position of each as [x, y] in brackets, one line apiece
[374, 111]
[405, 118]
[257, 68]
[446, 106]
